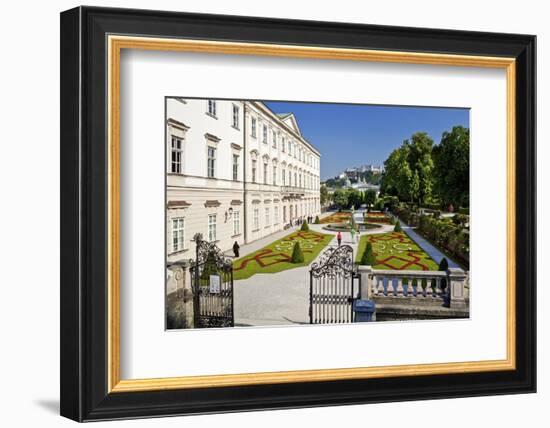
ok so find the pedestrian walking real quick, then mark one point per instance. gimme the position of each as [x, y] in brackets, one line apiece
[236, 249]
[339, 238]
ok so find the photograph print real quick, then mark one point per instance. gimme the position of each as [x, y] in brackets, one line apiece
[296, 213]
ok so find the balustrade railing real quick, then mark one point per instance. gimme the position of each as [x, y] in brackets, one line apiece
[449, 287]
[408, 283]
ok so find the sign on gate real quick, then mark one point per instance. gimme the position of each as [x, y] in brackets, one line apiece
[215, 281]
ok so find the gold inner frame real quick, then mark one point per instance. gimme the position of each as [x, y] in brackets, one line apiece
[117, 43]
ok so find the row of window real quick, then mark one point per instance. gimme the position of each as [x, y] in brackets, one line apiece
[294, 178]
[256, 217]
[178, 229]
[211, 109]
[286, 144]
[309, 181]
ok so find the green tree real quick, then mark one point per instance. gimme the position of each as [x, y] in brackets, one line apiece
[340, 198]
[415, 187]
[354, 198]
[420, 162]
[451, 159]
[397, 174]
[305, 227]
[409, 170]
[297, 255]
[370, 198]
[317, 221]
[397, 227]
[368, 256]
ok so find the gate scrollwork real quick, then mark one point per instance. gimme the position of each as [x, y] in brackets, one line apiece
[335, 261]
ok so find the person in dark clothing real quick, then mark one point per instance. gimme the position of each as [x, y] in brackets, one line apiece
[339, 238]
[236, 249]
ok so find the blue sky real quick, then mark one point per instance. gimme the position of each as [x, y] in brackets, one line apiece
[350, 135]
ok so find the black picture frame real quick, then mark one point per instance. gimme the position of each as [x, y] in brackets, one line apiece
[83, 154]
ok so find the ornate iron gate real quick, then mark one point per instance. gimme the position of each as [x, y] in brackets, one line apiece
[332, 287]
[212, 285]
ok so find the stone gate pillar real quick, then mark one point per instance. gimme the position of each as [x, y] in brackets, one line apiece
[456, 281]
[366, 278]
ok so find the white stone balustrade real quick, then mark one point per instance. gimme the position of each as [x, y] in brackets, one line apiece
[437, 286]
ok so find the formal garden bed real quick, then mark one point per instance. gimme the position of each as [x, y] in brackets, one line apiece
[339, 217]
[376, 217]
[396, 251]
[277, 256]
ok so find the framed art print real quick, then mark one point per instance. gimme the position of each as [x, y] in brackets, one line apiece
[262, 213]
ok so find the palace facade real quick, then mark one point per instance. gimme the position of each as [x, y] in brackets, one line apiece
[236, 172]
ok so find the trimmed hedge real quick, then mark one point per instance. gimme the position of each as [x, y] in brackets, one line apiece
[297, 255]
[449, 234]
[305, 227]
[452, 238]
[317, 221]
[368, 258]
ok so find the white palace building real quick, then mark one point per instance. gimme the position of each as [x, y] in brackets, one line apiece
[236, 171]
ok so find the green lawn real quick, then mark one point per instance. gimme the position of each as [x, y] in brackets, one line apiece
[276, 256]
[396, 251]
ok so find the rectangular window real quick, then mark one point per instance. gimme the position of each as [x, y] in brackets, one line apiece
[267, 220]
[284, 177]
[253, 127]
[276, 215]
[236, 222]
[254, 167]
[211, 162]
[290, 178]
[289, 148]
[235, 167]
[256, 218]
[176, 154]
[178, 233]
[283, 144]
[211, 227]
[295, 179]
[274, 176]
[235, 116]
[212, 107]
[264, 134]
[274, 139]
[265, 173]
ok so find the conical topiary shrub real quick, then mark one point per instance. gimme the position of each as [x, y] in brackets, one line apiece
[368, 258]
[305, 227]
[317, 221]
[297, 255]
[397, 227]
